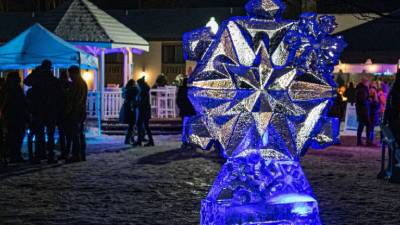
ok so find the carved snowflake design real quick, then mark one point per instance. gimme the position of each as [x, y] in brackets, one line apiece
[250, 93]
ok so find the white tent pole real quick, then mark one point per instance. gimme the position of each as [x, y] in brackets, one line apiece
[102, 81]
[101, 84]
[96, 80]
[126, 66]
[130, 64]
[57, 72]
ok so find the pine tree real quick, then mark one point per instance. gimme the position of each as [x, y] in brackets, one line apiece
[309, 5]
[44, 5]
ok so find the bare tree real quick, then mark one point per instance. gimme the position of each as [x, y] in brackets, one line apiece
[3, 5]
[164, 3]
[52, 4]
[44, 5]
[36, 5]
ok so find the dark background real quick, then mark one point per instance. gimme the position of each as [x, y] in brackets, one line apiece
[325, 6]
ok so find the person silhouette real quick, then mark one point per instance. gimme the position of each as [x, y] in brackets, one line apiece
[76, 114]
[128, 110]
[45, 101]
[144, 113]
[3, 152]
[15, 116]
[186, 110]
[64, 139]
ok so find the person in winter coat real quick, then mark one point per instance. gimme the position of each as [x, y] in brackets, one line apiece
[186, 109]
[374, 111]
[161, 81]
[65, 141]
[3, 152]
[15, 116]
[337, 110]
[144, 113]
[46, 94]
[34, 156]
[128, 110]
[351, 93]
[363, 110]
[392, 113]
[382, 95]
[76, 114]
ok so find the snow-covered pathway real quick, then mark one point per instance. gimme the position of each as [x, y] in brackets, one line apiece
[162, 185]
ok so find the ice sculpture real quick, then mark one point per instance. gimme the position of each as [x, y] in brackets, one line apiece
[262, 87]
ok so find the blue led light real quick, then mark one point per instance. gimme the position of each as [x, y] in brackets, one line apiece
[302, 210]
[291, 198]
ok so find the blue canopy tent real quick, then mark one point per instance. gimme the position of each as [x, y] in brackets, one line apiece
[36, 44]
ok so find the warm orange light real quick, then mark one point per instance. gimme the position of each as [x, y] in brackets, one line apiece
[144, 73]
[88, 77]
[372, 68]
[342, 67]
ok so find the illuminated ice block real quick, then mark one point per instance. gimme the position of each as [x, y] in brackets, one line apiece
[262, 88]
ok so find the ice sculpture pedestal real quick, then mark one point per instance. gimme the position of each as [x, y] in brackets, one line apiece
[253, 190]
[224, 213]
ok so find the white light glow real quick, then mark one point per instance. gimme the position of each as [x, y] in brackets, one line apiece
[291, 198]
[144, 74]
[87, 76]
[213, 25]
[302, 210]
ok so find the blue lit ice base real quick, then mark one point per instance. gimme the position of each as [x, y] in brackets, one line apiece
[262, 87]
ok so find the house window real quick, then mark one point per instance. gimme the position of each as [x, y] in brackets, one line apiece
[172, 54]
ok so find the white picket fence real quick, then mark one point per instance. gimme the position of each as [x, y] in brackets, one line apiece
[163, 103]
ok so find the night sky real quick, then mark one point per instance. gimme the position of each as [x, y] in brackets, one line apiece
[323, 5]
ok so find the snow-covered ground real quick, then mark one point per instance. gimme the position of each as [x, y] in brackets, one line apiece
[162, 185]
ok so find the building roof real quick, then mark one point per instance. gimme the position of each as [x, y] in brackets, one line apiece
[377, 40]
[349, 21]
[82, 21]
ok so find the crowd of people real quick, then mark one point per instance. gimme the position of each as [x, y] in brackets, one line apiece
[371, 101]
[136, 112]
[370, 108]
[136, 109]
[42, 103]
[36, 107]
